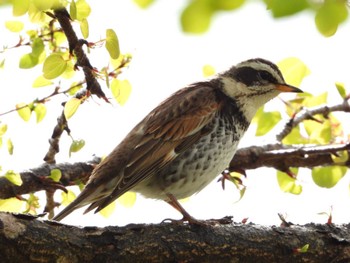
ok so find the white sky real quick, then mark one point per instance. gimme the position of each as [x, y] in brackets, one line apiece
[164, 60]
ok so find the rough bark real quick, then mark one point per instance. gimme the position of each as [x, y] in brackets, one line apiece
[25, 238]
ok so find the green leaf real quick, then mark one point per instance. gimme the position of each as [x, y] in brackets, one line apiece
[341, 89]
[227, 5]
[71, 107]
[328, 176]
[41, 82]
[10, 146]
[282, 8]
[24, 111]
[121, 90]
[28, 61]
[330, 15]
[67, 198]
[83, 9]
[37, 47]
[196, 17]
[266, 121]
[112, 44]
[319, 133]
[14, 26]
[43, 5]
[128, 199]
[40, 112]
[294, 137]
[76, 146]
[3, 128]
[312, 100]
[108, 210]
[208, 70]
[288, 184]
[13, 205]
[84, 28]
[304, 248]
[55, 175]
[20, 7]
[73, 10]
[14, 178]
[54, 65]
[293, 70]
[143, 3]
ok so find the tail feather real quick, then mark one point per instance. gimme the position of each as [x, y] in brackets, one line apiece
[87, 196]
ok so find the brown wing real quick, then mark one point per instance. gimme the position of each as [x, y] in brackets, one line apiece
[169, 129]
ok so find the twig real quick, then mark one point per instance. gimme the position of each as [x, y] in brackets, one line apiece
[306, 114]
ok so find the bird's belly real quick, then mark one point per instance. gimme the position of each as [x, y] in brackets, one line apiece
[195, 168]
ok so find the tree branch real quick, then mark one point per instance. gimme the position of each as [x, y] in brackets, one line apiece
[169, 242]
[308, 113]
[281, 157]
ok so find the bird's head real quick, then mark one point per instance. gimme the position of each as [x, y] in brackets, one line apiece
[254, 82]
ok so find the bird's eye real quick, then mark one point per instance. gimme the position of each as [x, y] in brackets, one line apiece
[253, 77]
[265, 77]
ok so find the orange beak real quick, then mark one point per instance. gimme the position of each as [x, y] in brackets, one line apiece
[287, 88]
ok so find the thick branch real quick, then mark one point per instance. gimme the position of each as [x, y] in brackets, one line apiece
[166, 242]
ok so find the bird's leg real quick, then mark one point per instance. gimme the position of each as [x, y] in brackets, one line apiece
[186, 216]
[191, 220]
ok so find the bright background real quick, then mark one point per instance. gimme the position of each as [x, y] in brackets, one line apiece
[164, 60]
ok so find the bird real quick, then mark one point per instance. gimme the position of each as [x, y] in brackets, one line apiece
[186, 141]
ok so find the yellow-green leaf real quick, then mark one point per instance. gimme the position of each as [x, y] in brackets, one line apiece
[20, 7]
[341, 158]
[293, 70]
[328, 176]
[14, 26]
[143, 3]
[294, 137]
[227, 4]
[341, 89]
[330, 15]
[121, 90]
[40, 112]
[10, 146]
[312, 100]
[196, 17]
[24, 111]
[28, 61]
[112, 44]
[84, 28]
[43, 5]
[128, 199]
[83, 9]
[73, 10]
[319, 133]
[108, 210]
[289, 184]
[41, 82]
[71, 107]
[3, 128]
[54, 65]
[67, 198]
[13, 205]
[14, 178]
[208, 70]
[76, 146]
[55, 175]
[282, 8]
[266, 121]
[37, 47]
